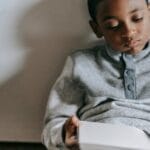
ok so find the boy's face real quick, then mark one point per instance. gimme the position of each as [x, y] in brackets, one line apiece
[124, 24]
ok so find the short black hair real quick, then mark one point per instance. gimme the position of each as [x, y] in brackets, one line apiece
[92, 7]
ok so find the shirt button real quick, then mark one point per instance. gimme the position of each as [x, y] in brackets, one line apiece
[130, 87]
[129, 73]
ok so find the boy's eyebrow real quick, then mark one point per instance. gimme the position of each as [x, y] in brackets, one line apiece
[135, 10]
[108, 17]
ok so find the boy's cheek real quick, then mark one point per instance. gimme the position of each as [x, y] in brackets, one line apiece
[147, 30]
[114, 39]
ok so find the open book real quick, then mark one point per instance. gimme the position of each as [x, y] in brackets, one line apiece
[103, 136]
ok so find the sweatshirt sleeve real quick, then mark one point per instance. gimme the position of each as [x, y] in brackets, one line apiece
[65, 98]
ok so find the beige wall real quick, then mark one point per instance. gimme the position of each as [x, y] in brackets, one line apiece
[48, 31]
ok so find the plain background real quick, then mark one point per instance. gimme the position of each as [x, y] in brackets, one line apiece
[36, 36]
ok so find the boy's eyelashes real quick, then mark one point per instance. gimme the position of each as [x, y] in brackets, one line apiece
[113, 28]
[111, 25]
[115, 25]
[138, 18]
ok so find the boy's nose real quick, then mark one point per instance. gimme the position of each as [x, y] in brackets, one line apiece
[129, 36]
[129, 33]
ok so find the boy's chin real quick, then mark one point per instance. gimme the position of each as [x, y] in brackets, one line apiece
[133, 51]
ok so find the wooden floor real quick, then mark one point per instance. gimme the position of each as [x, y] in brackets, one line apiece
[21, 146]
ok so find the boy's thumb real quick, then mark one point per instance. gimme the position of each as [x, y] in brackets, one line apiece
[75, 121]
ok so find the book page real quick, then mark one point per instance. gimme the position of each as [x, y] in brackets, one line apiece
[104, 136]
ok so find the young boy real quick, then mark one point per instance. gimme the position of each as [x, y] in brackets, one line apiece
[109, 83]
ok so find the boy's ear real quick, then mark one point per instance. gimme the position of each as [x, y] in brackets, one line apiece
[96, 28]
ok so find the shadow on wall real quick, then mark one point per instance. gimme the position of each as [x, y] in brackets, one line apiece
[55, 27]
[50, 31]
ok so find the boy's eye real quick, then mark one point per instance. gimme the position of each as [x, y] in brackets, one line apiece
[111, 24]
[137, 18]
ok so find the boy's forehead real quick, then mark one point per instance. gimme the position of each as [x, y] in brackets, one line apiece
[106, 6]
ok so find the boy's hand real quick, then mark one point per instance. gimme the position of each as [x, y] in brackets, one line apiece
[70, 131]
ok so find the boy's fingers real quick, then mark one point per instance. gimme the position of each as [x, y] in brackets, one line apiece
[71, 129]
[70, 141]
[75, 121]
[72, 121]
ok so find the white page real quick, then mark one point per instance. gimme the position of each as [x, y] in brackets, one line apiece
[102, 136]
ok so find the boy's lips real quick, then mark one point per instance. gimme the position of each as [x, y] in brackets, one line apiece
[133, 43]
